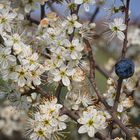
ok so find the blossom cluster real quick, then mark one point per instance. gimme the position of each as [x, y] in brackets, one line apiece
[125, 102]
[93, 121]
[65, 49]
[47, 121]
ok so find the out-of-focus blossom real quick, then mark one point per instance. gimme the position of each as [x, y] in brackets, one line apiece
[86, 3]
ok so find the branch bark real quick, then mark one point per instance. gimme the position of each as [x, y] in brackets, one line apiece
[42, 11]
[100, 97]
[95, 14]
[125, 32]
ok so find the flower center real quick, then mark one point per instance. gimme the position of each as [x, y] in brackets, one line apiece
[52, 36]
[72, 48]
[31, 61]
[62, 73]
[58, 57]
[90, 122]
[71, 22]
[40, 133]
[34, 73]
[3, 20]
[11, 69]
[46, 122]
[22, 73]
[115, 28]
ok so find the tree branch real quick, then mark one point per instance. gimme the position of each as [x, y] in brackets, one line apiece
[125, 32]
[100, 97]
[42, 12]
[95, 14]
[105, 73]
[118, 93]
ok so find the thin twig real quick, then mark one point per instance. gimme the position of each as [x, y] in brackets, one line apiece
[42, 11]
[118, 94]
[100, 97]
[125, 32]
[95, 14]
[105, 73]
[58, 91]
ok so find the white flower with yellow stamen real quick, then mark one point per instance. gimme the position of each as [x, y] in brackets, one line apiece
[71, 23]
[63, 73]
[92, 121]
[6, 18]
[117, 27]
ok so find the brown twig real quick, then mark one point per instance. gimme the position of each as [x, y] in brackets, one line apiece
[42, 11]
[120, 81]
[100, 97]
[105, 73]
[125, 32]
[95, 14]
[92, 73]
[118, 93]
[58, 91]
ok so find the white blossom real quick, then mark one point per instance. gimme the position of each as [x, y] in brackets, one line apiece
[92, 121]
[117, 27]
[47, 120]
[71, 23]
[6, 18]
[86, 3]
[63, 74]
[74, 48]
[6, 58]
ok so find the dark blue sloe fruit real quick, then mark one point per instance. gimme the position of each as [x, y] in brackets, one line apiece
[124, 68]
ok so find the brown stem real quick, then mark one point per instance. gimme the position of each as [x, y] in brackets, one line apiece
[58, 91]
[122, 126]
[118, 94]
[92, 73]
[95, 14]
[42, 12]
[100, 97]
[105, 73]
[125, 32]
